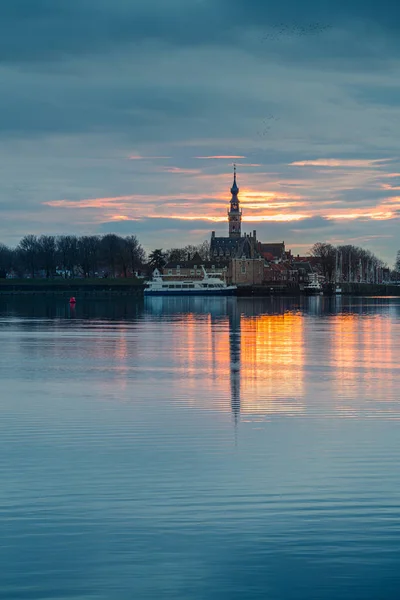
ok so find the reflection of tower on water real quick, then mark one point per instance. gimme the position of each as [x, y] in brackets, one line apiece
[234, 354]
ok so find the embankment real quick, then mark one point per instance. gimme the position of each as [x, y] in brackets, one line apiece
[72, 287]
[370, 289]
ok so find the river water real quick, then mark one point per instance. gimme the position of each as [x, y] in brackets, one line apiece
[200, 449]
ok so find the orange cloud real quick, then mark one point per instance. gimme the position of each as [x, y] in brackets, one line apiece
[248, 164]
[180, 170]
[333, 162]
[139, 157]
[378, 216]
[280, 217]
[219, 156]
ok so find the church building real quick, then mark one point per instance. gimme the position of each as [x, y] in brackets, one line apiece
[235, 245]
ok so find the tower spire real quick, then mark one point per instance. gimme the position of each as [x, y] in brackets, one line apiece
[234, 212]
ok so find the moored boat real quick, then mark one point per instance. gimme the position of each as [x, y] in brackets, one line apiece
[207, 286]
[314, 286]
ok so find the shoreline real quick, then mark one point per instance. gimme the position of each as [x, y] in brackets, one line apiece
[132, 287]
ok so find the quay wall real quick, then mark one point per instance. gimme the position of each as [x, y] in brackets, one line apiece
[353, 289]
[72, 287]
[370, 289]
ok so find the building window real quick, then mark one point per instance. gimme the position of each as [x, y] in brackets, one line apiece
[213, 267]
[169, 271]
[243, 267]
[192, 271]
[198, 272]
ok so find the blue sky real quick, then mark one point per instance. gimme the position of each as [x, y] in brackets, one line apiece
[109, 109]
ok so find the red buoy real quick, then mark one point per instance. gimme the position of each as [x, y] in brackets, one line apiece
[72, 300]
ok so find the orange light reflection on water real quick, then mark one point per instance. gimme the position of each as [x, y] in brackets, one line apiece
[272, 364]
[363, 358]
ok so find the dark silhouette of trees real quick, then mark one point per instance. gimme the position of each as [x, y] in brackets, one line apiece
[88, 254]
[6, 260]
[326, 253]
[67, 253]
[47, 254]
[70, 256]
[157, 259]
[137, 255]
[28, 250]
[354, 263]
[182, 254]
[397, 263]
[110, 250]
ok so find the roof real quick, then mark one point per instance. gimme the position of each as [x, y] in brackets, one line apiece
[233, 247]
[224, 242]
[303, 266]
[277, 249]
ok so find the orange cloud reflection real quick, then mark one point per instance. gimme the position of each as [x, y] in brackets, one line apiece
[365, 365]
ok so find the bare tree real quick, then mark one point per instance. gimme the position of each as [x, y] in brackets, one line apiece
[137, 255]
[47, 253]
[397, 263]
[29, 253]
[182, 254]
[110, 246]
[67, 249]
[88, 254]
[326, 253]
[6, 260]
[176, 255]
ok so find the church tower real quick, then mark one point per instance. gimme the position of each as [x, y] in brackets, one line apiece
[234, 212]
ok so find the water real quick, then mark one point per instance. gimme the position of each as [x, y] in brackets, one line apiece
[200, 449]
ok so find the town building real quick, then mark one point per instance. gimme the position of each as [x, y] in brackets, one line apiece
[235, 245]
[192, 267]
[246, 271]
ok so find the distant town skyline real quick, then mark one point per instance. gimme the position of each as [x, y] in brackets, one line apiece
[128, 117]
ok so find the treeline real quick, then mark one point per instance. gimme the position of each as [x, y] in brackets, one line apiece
[72, 256]
[348, 260]
[159, 258]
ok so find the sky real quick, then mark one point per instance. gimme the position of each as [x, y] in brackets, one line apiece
[126, 116]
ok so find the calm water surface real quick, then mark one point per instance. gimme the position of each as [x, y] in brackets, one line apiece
[200, 449]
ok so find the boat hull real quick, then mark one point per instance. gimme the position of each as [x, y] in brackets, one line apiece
[215, 292]
[313, 292]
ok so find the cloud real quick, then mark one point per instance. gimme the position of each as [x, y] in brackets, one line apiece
[125, 98]
[138, 157]
[341, 163]
[219, 157]
[181, 171]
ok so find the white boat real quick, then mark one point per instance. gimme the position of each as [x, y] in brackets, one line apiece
[314, 286]
[208, 286]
